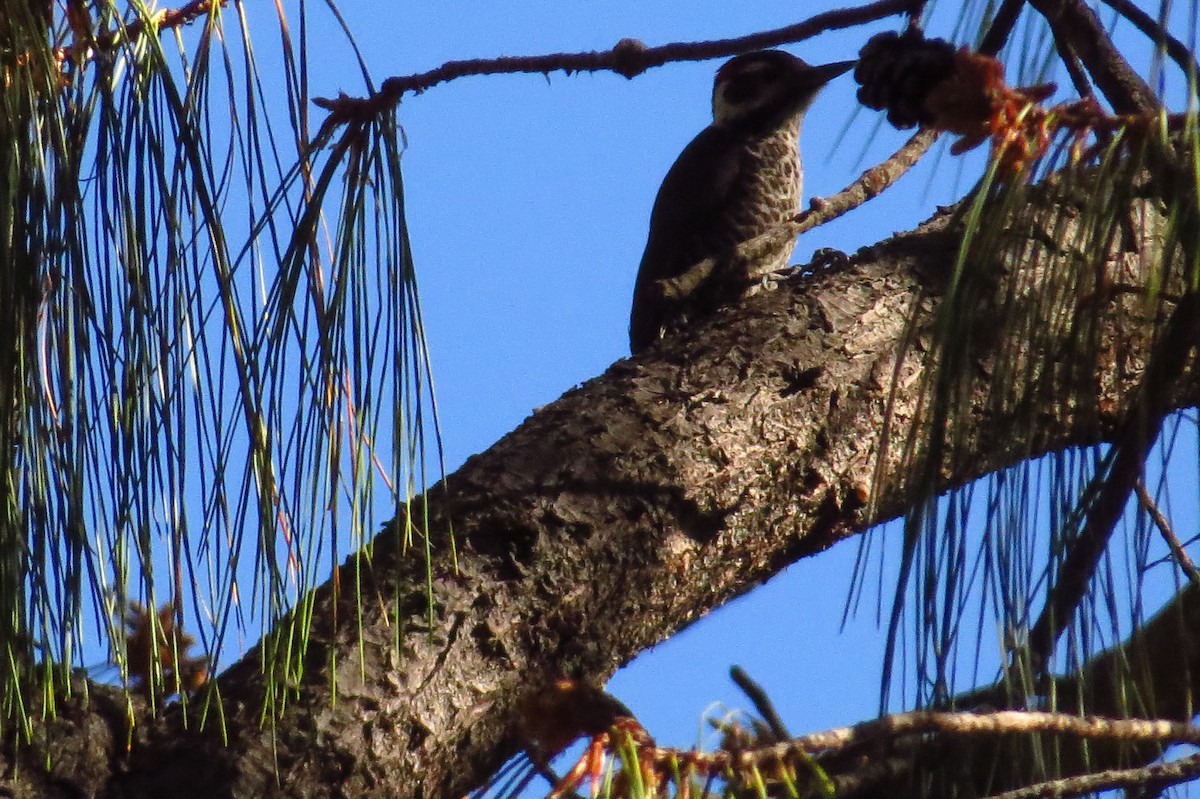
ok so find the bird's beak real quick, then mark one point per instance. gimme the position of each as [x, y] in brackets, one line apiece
[826, 72]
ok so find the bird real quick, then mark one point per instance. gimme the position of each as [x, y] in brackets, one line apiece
[737, 179]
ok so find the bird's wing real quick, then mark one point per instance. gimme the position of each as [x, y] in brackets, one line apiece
[684, 225]
[689, 203]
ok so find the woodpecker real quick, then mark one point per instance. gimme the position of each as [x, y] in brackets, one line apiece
[736, 180]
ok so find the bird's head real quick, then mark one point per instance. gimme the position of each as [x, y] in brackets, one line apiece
[764, 89]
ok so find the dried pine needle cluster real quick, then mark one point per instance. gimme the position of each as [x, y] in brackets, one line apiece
[156, 652]
[622, 760]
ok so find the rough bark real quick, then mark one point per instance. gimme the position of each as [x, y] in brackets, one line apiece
[638, 502]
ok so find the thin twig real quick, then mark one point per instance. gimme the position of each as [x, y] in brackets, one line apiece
[1079, 25]
[1003, 722]
[156, 21]
[662, 764]
[867, 186]
[628, 57]
[1176, 50]
[1158, 774]
[1164, 528]
[1002, 26]
[928, 722]
[1070, 60]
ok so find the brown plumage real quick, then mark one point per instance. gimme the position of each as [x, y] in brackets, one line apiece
[738, 178]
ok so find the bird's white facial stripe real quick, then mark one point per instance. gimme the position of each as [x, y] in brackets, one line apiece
[732, 98]
[722, 110]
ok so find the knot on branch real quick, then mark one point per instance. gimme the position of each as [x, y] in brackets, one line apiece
[629, 57]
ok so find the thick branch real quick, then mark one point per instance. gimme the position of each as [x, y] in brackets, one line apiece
[640, 501]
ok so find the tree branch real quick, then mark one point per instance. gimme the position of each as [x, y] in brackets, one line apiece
[1152, 676]
[1179, 52]
[1150, 507]
[760, 763]
[1077, 24]
[1002, 26]
[868, 185]
[1159, 775]
[629, 57]
[628, 509]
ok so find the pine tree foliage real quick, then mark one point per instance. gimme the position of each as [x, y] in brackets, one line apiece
[209, 399]
[214, 387]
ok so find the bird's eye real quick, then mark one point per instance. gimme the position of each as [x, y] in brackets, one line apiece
[739, 90]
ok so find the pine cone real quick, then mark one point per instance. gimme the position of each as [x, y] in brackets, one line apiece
[898, 71]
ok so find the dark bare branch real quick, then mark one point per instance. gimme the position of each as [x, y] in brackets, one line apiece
[629, 57]
[1155, 674]
[1071, 61]
[1139, 434]
[1001, 27]
[1078, 25]
[1168, 533]
[1176, 50]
